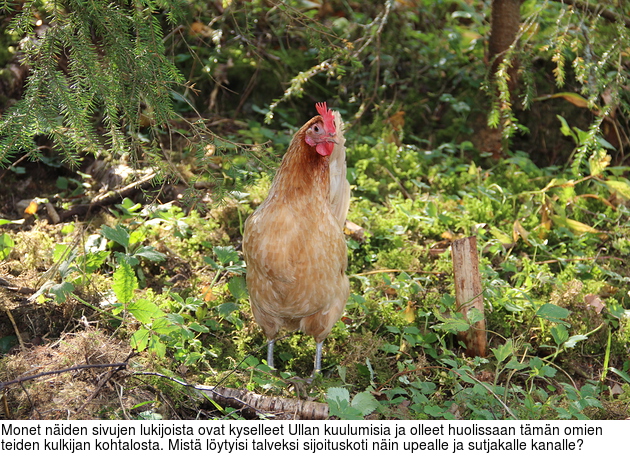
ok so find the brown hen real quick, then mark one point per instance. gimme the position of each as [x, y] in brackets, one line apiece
[293, 243]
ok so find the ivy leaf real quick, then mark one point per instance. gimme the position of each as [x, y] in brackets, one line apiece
[125, 282]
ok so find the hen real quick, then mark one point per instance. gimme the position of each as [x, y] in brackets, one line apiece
[293, 243]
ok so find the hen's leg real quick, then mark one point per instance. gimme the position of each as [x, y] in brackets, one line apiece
[318, 357]
[270, 352]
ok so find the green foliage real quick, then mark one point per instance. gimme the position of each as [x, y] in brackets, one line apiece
[587, 49]
[94, 60]
[169, 278]
[6, 245]
[340, 405]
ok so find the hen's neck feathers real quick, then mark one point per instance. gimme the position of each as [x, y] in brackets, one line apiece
[303, 171]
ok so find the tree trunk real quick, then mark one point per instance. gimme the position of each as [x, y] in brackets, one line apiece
[506, 20]
[505, 24]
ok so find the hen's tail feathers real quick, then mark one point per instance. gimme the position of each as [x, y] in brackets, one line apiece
[339, 185]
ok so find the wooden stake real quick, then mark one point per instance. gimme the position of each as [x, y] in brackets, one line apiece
[468, 293]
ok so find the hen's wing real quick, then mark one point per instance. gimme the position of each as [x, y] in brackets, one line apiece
[339, 185]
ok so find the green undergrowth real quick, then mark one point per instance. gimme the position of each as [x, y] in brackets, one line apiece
[553, 251]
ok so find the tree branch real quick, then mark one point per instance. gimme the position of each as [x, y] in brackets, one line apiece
[256, 405]
[595, 9]
[60, 371]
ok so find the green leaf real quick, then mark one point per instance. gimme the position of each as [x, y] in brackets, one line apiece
[140, 339]
[198, 328]
[552, 313]
[6, 245]
[598, 162]
[150, 254]
[565, 129]
[622, 187]
[364, 402]
[434, 410]
[156, 346]
[93, 261]
[503, 351]
[338, 394]
[501, 236]
[163, 326]
[453, 326]
[119, 234]
[570, 343]
[62, 291]
[339, 404]
[390, 348]
[137, 237]
[144, 310]
[514, 364]
[124, 258]
[559, 334]
[622, 374]
[238, 288]
[62, 183]
[213, 264]
[176, 318]
[573, 225]
[125, 282]
[227, 308]
[226, 255]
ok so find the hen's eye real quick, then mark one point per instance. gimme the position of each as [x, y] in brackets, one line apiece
[315, 128]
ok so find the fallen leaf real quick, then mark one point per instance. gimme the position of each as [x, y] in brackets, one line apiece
[409, 314]
[573, 98]
[620, 187]
[595, 302]
[519, 231]
[206, 293]
[31, 208]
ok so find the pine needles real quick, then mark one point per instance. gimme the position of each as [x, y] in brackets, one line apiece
[97, 67]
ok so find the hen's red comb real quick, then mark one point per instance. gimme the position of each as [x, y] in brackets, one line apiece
[327, 115]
